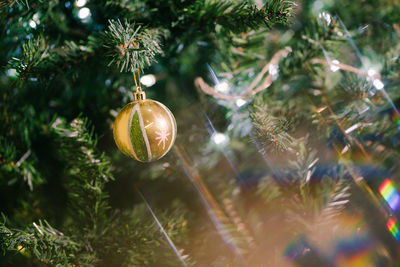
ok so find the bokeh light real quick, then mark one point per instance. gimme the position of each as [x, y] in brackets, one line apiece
[148, 80]
[220, 138]
[84, 14]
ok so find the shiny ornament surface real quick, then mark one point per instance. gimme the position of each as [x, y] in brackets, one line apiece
[145, 130]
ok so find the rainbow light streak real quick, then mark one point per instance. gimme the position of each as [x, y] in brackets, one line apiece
[390, 194]
[393, 227]
[396, 119]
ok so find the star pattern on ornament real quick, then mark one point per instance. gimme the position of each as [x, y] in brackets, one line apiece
[162, 137]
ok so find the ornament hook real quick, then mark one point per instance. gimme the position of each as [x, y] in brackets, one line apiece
[139, 94]
[138, 85]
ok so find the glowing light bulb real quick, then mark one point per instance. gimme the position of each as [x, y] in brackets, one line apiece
[84, 14]
[222, 87]
[80, 3]
[240, 102]
[36, 17]
[219, 138]
[148, 80]
[378, 84]
[273, 69]
[333, 66]
[371, 72]
[32, 24]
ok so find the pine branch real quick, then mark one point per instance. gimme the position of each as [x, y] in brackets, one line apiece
[135, 239]
[35, 56]
[268, 190]
[336, 199]
[88, 172]
[10, 3]
[321, 32]
[42, 240]
[39, 56]
[17, 162]
[135, 8]
[269, 130]
[97, 235]
[311, 202]
[130, 47]
[240, 17]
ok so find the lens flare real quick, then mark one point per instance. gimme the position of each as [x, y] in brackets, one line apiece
[390, 194]
[396, 119]
[393, 227]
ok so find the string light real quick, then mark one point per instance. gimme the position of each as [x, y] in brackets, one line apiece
[371, 72]
[273, 69]
[375, 81]
[34, 21]
[32, 24]
[220, 138]
[240, 102]
[378, 84]
[334, 66]
[222, 87]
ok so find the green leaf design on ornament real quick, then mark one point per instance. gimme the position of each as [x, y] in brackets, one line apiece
[137, 139]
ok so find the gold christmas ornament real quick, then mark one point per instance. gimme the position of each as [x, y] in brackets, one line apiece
[144, 129]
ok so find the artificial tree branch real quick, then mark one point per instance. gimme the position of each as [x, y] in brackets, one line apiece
[206, 88]
[345, 67]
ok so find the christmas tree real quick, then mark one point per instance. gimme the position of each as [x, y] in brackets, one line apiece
[286, 145]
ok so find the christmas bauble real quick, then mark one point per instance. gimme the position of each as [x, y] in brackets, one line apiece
[145, 130]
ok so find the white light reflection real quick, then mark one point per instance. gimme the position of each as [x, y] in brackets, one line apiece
[345, 149]
[162, 124]
[326, 16]
[148, 80]
[171, 243]
[352, 128]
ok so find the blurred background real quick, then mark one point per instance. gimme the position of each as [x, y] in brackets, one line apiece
[287, 149]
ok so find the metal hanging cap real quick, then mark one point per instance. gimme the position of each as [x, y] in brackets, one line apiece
[139, 95]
